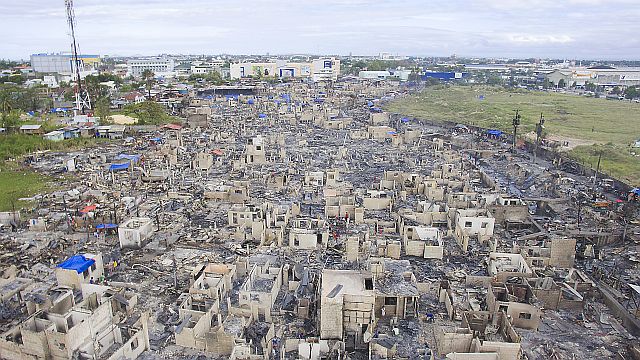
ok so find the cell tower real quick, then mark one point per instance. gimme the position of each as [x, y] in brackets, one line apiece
[83, 102]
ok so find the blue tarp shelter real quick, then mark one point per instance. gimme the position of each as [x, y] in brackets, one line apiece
[78, 263]
[496, 133]
[250, 102]
[376, 110]
[404, 119]
[636, 191]
[262, 116]
[118, 167]
[106, 226]
[134, 158]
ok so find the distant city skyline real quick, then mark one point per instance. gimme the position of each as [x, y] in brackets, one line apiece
[570, 29]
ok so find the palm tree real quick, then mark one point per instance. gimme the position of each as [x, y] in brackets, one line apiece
[5, 101]
[148, 77]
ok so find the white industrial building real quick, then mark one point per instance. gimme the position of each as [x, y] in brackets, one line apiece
[322, 69]
[158, 65]
[62, 63]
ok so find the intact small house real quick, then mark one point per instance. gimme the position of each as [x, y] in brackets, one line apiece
[55, 135]
[71, 132]
[31, 129]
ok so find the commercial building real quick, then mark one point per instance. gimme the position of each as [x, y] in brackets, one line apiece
[323, 69]
[159, 66]
[62, 63]
[601, 76]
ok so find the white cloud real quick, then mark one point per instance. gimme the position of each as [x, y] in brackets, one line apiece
[539, 39]
[540, 28]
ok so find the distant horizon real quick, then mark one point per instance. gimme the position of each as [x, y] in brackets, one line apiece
[292, 54]
[598, 30]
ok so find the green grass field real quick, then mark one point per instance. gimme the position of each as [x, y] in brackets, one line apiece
[611, 122]
[17, 184]
[17, 145]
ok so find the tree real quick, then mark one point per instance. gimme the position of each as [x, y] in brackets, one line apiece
[632, 93]
[6, 103]
[616, 90]
[494, 80]
[148, 113]
[213, 77]
[93, 87]
[590, 86]
[10, 119]
[103, 109]
[562, 83]
[148, 77]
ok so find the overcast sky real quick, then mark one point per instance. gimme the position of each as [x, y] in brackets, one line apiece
[593, 29]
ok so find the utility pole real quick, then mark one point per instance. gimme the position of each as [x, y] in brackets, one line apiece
[83, 101]
[515, 122]
[595, 176]
[175, 272]
[539, 128]
[66, 214]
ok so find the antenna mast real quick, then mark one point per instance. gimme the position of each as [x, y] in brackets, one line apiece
[83, 102]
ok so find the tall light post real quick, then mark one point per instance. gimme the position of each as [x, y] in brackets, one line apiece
[515, 122]
[539, 128]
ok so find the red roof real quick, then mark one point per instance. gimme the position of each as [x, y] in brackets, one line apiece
[173, 126]
[133, 95]
[87, 209]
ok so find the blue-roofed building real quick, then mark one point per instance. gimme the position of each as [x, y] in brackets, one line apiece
[79, 269]
[444, 75]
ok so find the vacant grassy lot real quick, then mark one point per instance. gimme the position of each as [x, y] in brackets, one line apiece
[17, 184]
[16, 145]
[612, 122]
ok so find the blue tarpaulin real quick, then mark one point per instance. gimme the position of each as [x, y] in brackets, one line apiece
[106, 226]
[250, 102]
[494, 132]
[318, 100]
[156, 139]
[392, 133]
[376, 110]
[636, 191]
[262, 116]
[78, 263]
[134, 158]
[404, 119]
[118, 167]
[370, 103]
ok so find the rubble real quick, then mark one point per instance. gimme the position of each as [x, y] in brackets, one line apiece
[282, 227]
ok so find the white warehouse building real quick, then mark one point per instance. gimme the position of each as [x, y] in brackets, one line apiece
[322, 69]
[159, 66]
